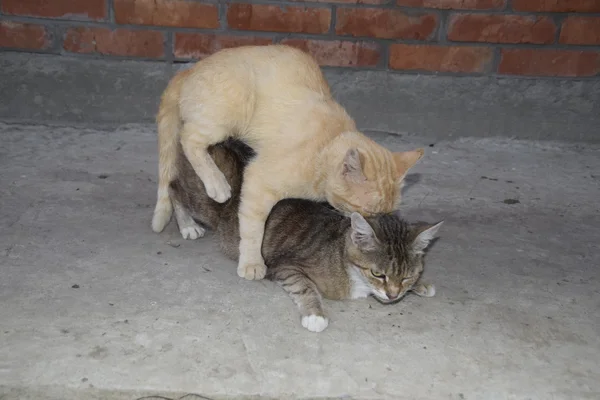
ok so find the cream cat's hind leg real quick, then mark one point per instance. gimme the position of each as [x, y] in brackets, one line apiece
[424, 290]
[195, 140]
[162, 211]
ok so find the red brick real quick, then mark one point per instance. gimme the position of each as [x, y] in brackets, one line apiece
[71, 9]
[345, 1]
[185, 14]
[581, 30]
[118, 42]
[385, 23]
[440, 58]
[557, 5]
[272, 18]
[198, 46]
[339, 53]
[501, 29]
[455, 4]
[549, 62]
[23, 36]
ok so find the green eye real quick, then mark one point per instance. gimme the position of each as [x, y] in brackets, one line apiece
[377, 274]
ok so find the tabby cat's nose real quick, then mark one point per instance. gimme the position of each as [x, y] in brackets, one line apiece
[392, 296]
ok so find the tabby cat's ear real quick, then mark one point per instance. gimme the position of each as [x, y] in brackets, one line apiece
[351, 167]
[405, 160]
[425, 236]
[362, 235]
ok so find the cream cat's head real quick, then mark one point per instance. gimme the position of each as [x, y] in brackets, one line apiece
[387, 255]
[369, 179]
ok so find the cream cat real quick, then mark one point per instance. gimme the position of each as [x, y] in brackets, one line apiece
[275, 99]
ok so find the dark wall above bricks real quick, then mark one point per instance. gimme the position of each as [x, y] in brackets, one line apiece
[542, 38]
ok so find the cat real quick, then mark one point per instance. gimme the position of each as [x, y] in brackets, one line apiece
[274, 98]
[311, 249]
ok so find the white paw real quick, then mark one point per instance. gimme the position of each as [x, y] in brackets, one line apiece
[217, 188]
[315, 323]
[425, 290]
[192, 232]
[430, 290]
[252, 271]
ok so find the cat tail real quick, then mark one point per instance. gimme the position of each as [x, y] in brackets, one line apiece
[169, 123]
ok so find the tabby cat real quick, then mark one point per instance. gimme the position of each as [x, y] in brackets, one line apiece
[274, 98]
[310, 248]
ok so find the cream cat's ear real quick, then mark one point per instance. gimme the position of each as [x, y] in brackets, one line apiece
[352, 167]
[362, 234]
[425, 236]
[405, 160]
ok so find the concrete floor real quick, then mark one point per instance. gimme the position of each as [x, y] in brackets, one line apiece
[94, 305]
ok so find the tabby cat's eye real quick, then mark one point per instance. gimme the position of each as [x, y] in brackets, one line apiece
[377, 274]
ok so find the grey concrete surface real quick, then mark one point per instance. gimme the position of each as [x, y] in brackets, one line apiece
[66, 90]
[94, 305]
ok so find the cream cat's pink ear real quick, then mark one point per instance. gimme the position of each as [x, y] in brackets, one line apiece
[352, 167]
[405, 160]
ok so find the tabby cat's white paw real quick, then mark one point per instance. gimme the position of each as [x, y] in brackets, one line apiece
[217, 188]
[192, 232]
[315, 323]
[430, 291]
[425, 290]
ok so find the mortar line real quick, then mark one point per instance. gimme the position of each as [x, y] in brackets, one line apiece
[110, 8]
[333, 21]
[169, 47]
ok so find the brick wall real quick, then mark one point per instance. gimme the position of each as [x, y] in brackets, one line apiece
[504, 37]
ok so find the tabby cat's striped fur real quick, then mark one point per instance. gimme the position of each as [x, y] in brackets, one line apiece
[309, 248]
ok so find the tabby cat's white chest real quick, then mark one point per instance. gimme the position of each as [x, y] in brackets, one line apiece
[359, 286]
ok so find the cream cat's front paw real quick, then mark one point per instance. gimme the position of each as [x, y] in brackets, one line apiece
[192, 232]
[217, 188]
[315, 323]
[425, 290]
[251, 272]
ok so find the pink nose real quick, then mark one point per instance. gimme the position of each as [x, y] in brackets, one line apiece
[392, 296]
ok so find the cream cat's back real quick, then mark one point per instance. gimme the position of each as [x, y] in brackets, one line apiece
[264, 94]
[266, 72]
[269, 67]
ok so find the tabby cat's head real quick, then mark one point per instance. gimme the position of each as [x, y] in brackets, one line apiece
[388, 254]
[369, 180]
